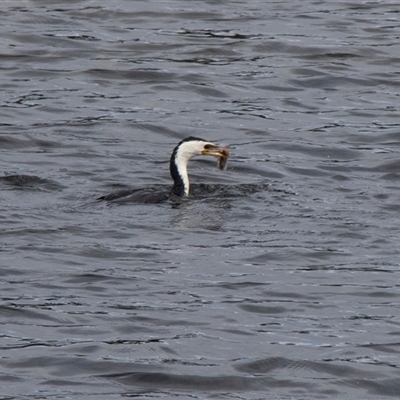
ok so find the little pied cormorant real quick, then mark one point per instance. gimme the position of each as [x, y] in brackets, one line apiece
[182, 153]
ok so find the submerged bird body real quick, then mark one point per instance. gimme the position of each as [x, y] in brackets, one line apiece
[138, 195]
[181, 155]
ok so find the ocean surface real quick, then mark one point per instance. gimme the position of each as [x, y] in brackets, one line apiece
[282, 282]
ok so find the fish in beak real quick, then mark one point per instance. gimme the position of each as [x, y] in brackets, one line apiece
[222, 153]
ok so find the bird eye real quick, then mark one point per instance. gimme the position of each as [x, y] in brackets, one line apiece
[208, 146]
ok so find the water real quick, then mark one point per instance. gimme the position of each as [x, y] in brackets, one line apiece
[288, 292]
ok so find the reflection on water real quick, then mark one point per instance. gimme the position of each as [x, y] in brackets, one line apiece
[277, 278]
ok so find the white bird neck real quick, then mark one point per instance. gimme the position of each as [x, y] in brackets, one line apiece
[178, 164]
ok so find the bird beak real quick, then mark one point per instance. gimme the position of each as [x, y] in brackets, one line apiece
[215, 151]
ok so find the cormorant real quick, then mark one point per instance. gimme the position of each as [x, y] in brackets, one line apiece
[182, 153]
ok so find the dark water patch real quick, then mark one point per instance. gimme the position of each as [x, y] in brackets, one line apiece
[66, 366]
[208, 91]
[390, 167]
[220, 34]
[7, 379]
[105, 252]
[332, 82]
[29, 182]
[9, 271]
[359, 379]
[239, 285]
[11, 312]
[378, 294]
[385, 387]
[213, 52]
[9, 142]
[159, 380]
[143, 75]
[392, 207]
[340, 178]
[317, 53]
[386, 347]
[270, 364]
[88, 279]
[272, 88]
[298, 104]
[258, 309]
[391, 176]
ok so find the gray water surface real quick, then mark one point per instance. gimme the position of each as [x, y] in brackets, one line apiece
[282, 283]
